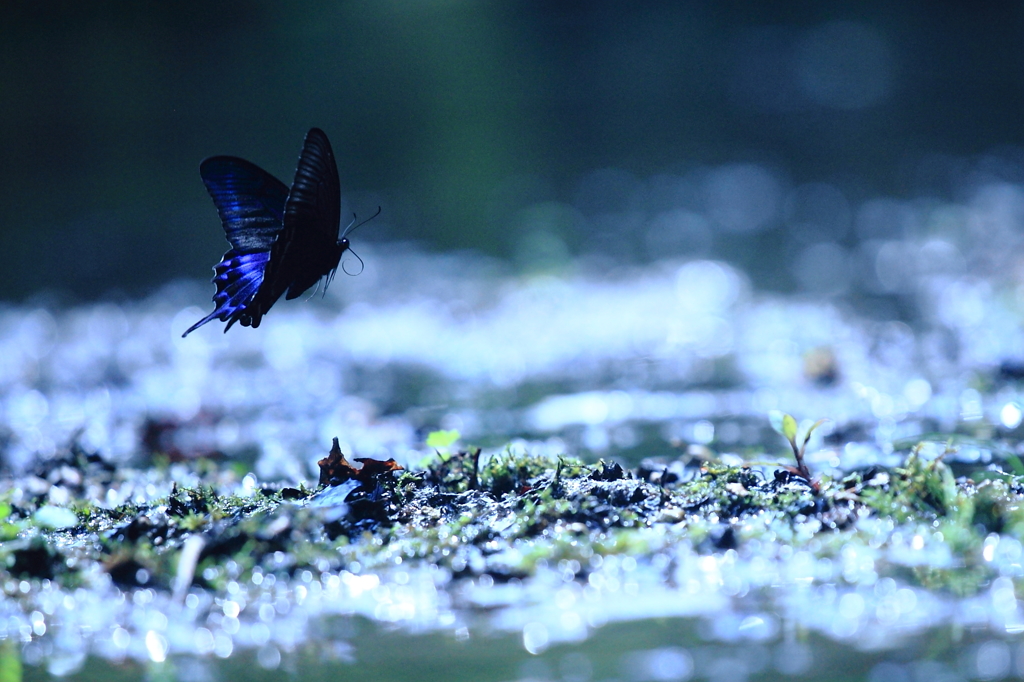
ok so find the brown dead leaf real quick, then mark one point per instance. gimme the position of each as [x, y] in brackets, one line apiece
[335, 469]
[373, 467]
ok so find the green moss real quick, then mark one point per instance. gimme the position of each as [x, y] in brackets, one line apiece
[513, 513]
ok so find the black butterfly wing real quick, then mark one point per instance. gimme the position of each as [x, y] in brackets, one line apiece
[314, 200]
[308, 247]
[250, 202]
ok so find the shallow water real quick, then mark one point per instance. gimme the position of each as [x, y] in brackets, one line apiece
[626, 363]
[648, 650]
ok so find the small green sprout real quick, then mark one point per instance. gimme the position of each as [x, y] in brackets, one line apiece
[785, 425]
[1015, 464]
[441, 440]
[10, 661]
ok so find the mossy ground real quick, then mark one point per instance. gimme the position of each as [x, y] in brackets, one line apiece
[500, 515]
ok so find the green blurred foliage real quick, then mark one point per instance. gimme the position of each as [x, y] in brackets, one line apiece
[452, 115]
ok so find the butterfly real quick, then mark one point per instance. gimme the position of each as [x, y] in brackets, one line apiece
[283, 241]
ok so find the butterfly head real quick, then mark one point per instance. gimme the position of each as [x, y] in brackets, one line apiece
[343, 246]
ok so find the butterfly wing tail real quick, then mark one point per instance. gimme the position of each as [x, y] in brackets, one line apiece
[200, 323]
[238, 277]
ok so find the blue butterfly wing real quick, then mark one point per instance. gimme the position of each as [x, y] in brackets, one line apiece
[308, 248]
[251, 203]
[238, 277]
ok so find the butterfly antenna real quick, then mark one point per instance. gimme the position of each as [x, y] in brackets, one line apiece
[352, 227]
[362, 265]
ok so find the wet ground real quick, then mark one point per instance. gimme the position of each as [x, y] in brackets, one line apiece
[683, 564]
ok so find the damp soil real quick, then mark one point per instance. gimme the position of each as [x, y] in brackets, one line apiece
[499, 515]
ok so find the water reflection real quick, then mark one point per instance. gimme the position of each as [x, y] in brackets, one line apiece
[409, 346]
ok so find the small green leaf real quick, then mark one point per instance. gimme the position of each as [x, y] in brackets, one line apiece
[813, 426]
[240, 468]
[428, 460]
[10, 661]
[5, 510]
[789, 428]
[9, 531]
[442, 439]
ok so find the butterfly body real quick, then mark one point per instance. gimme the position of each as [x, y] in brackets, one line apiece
[284, 240]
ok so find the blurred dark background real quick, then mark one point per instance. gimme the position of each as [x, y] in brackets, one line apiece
[473, 123]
